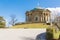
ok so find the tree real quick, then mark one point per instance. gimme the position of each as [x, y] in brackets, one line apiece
[13, 20]
[57, 22]
[2, 22]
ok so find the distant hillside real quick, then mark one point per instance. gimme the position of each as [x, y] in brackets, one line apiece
[32, 25]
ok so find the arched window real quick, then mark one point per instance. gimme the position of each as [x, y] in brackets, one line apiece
[36, 18]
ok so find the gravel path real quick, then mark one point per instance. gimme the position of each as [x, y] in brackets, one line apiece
[20, 34]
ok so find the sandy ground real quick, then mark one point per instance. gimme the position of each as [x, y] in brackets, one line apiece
[20, 34]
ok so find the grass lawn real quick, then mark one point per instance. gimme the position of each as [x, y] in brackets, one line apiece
[33, 25]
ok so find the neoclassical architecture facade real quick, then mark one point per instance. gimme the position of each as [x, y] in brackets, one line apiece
[38, 15]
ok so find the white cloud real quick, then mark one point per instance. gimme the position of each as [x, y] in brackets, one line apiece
[54, 11]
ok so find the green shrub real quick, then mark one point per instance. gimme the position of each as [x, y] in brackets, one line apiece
[1, 26]
[49, 34]
[2, 22]
[56, 35]
[52, 33]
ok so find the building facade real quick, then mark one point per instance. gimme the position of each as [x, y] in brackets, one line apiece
[38, 15]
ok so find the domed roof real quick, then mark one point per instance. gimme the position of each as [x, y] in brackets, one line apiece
[37, 8]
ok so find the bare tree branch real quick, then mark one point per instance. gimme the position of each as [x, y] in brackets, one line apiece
[13, 20]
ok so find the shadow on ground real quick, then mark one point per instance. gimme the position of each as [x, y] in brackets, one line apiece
[41, 36]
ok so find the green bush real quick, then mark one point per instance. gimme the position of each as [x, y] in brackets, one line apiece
[52, 33]
[2, 22]
[49, 34]
[1, 26]
[56, 35]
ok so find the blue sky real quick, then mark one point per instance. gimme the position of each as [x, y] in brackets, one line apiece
[19, 7]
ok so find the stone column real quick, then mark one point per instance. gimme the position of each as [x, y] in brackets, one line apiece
[47, 17]
[43, 17]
